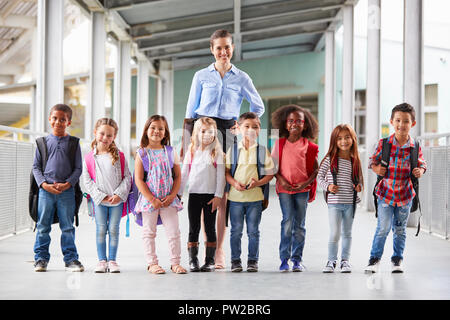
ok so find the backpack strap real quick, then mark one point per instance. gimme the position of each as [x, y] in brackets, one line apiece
[414, 161]
[234, 160]
[385, 158]
[90, 164]
[355, 181]
[42, 147]
[122, 163]
[333, 171]
[74, 143]
[261, 161]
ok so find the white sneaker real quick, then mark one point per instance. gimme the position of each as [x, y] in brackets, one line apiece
[345, 267]
[374, 264]
[102, 267]
[113, 267]
[396, 266]
[329, 268]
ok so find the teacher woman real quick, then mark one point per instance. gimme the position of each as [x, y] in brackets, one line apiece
[217, 92]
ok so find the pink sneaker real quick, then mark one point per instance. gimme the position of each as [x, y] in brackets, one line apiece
[113, 267]
[101, 267]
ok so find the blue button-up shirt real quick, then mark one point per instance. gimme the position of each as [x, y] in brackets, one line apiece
[59, 165]
[213, 96]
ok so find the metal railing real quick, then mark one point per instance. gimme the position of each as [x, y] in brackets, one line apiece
[434, 189]
[16, 160]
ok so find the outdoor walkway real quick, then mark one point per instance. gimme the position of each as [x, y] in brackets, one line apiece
[427, 267]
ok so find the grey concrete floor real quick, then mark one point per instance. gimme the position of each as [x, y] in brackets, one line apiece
[427, 267]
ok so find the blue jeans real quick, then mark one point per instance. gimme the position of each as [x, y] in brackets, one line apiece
[64, 204]
[251, 212]
[107, 220]
[293, 208]
[340, 217]
[390, 217]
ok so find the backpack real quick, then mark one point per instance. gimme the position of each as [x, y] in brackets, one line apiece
[260, 161]
[133, 196]
[33, 195]
[355, 181]
[311, 153]
[385, 158]
[90, 164]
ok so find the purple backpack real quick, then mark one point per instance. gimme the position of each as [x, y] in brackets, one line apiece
[133, 196]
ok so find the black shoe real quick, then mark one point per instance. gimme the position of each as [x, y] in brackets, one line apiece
[236, 266]
[396, 265]
[74, 266]
[193, 260]
[209, 259]
[40, 266]
[252, 266]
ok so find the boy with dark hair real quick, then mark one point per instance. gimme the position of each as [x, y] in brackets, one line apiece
[246, 182]
[56, 183]
[395, 192]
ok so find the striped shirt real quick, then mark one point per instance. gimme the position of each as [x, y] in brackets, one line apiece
[396, 187]
[344, 181]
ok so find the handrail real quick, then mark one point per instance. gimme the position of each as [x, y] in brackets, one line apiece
[15, 131]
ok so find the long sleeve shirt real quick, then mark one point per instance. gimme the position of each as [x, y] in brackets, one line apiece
[396, 187]
[202, 175]
[59, 165]
[108, 179]
[212, 96]
[344, 181]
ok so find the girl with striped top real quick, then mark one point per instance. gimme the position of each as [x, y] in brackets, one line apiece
[340, 175]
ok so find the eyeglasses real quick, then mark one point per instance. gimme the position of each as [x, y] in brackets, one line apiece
[298, 121]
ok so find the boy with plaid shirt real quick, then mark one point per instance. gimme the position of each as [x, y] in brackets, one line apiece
[395, 191]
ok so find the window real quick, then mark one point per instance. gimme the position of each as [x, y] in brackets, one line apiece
[360, 116]
[431, 108]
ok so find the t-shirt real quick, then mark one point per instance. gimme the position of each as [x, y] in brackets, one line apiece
[293, 164]
[245, 171]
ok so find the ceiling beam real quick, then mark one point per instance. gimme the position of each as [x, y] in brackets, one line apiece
[237, 31]
[18, 21]
[334, 25]
[11, 69]
[23, 40]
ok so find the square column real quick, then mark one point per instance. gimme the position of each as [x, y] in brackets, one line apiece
[330, 88]
[348, 91]
[142, 97]
[413, 86]
[50, 72]
[373, 131]
[122, 96]
[166, 73]
[95, 108]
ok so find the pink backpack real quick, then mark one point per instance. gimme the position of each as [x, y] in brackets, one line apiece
[90, 164]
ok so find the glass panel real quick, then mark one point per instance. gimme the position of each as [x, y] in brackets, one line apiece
[431, 95]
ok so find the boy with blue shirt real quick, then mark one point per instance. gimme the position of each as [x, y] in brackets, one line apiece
[56, 191]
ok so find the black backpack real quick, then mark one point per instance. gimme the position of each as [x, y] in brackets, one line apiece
[33, 195]
[385, 158]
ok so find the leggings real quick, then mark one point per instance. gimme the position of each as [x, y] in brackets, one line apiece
[197, 203]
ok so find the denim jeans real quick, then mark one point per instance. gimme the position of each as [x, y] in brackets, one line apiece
[64, 204]
[390, 217]
[293, 208]
[340, 217]
[251, 212]
[107, 220]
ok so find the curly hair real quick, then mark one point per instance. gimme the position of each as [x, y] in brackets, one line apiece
[279, 118]
[113, 150]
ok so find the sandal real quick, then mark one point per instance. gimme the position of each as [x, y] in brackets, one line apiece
[155, 269]
[177, 269]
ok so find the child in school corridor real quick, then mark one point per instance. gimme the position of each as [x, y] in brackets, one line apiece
[57, 182]
[395, 192]
[295, 156]
[107, 180]
[204, 171]
[158, 192]
[246, 185]
[340, 175]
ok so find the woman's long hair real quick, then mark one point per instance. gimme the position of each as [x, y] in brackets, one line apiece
[216, 147]
[112, 150]
[165, 141]
[333, 151]
[279, 118]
